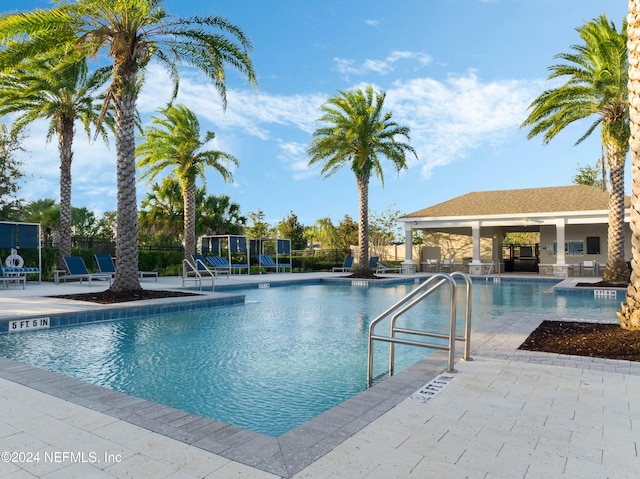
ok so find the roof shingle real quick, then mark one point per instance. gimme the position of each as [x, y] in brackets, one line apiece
[531, 200]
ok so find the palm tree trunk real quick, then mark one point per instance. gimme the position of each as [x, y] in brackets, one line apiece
[630, 311]
[189, 196]
[127, 211]
[65, 148]
[616, 268]
[363, 225]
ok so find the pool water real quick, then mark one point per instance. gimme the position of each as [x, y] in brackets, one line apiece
[286, 356]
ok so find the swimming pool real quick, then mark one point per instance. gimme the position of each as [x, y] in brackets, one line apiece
[287, 355]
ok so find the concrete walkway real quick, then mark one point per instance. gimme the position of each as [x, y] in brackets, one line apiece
[506, 414]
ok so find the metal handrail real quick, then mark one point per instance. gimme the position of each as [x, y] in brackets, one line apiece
[486, 279]
[191, 272]
[498, 268]
[467, 316]
[409, 301]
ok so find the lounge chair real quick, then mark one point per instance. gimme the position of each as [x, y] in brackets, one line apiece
[447, 264]
[430, 265]
[12, 277]
[266, 262]
[346, 266]
[106, 265]
[219, 265]
[224, 263]
[200, 262]
[384, 268]
[76, 269]
[14, 266]
[373, 262]
[589, 265]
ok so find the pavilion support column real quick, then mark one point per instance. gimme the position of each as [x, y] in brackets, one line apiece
[561, 268]
[496, 250]
[408, 265]
[475, 267]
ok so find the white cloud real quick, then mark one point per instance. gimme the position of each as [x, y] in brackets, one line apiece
[252, 112]
[449, 119]
[347, 67]
[371, 22]
[294, 156]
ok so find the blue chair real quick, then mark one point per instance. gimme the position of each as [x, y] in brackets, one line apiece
[347, 265]
[219, 265]
[76, 269]
[106, 265]
[267, 262]
[200, 262]
[373, 262]
[12, 277]
[224, 262]
[14, 266]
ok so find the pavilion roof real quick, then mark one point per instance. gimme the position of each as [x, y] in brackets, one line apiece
[575, 198]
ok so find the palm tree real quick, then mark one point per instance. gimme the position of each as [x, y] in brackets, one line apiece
[218, 215]
[162, 210]
[133, 32]
[630, 311]
[596, 85]
[355, 133]
[174, 144]
[62, 92]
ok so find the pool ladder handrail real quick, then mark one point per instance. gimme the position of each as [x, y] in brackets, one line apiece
[498, 268]
[194, 272]
[409, 301]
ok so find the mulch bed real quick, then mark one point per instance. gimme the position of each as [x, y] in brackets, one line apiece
[112, 297]
[595, 340]
[602, 284]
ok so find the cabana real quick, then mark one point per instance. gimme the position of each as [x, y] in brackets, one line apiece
[277, 248]
[233, 248]
[20, 236]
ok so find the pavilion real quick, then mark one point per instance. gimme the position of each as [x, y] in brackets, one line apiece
[576, 216]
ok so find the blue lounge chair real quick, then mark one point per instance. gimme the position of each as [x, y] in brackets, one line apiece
[346, 266]
[200, 262]
[76, 269]
[219, 265]
[14, 266]
[267, 262]
[12, 277]
[106, 265]
[224, 263]
[373, 262]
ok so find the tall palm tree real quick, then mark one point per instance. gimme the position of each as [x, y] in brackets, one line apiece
[131, 33]
[630, 311]
[173, 143]
[62, 92]
[596, 85]
[357, 132]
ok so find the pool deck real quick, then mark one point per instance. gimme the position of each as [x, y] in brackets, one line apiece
[505, 414]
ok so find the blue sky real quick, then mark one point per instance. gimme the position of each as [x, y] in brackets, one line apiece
[459, 73]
